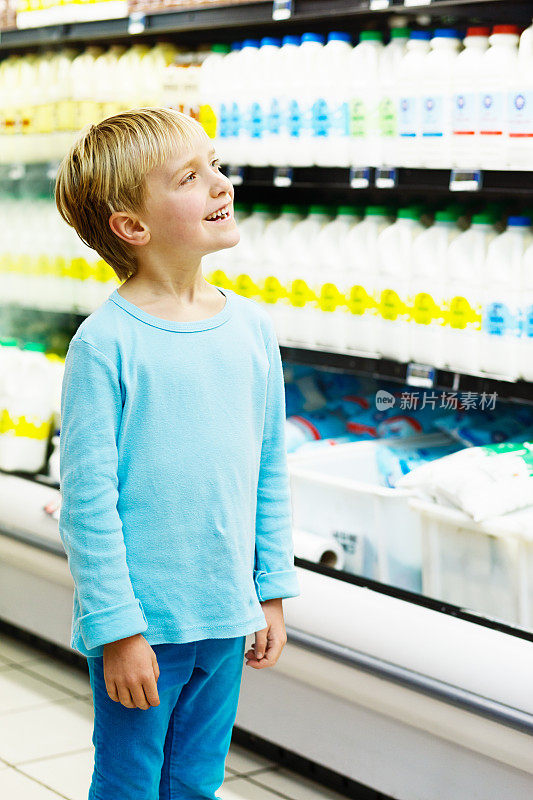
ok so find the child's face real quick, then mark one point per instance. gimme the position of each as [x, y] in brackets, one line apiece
[180, 195]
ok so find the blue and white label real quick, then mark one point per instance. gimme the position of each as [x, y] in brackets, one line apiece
[273, 120]
[407, 116]
[520, 114]
[464, 113]
[294, 119]
[339, 119]
[320, 117]
[432, 115]
[501, 320]
[528, 322]
[254, 121]
[225, 121]
[235, 119]
[491, 107]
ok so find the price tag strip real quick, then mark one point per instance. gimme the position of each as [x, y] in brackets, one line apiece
[136, 22]
[281, 9]
[421, 375]
[359, 177]
[283, 176]
[386, 178]
[235, 174]
[379, 5]
[466, 180]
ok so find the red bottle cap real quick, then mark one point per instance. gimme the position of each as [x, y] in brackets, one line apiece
[506, 29]
[478, 31]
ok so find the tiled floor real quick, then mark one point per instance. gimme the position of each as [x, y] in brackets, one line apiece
[46, 720]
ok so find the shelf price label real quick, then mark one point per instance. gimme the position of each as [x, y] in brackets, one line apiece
[386, 178]
[359, 177]
[281, 9]
[282, 176]
[414, 3]
[136, 22]
[235, 174]
[421, 375]
[379, 5]
[466, 180]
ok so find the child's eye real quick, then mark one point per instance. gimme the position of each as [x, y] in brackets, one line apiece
[216, 163]
[186, 179]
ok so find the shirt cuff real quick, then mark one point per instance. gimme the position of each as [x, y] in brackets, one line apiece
[111, 624]
[270, 585]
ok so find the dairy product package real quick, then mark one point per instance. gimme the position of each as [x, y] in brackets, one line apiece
[395, 461]
[476, 428]
[484, 482]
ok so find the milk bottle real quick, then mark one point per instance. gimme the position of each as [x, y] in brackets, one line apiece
[290, 103]
[332, 139]
[231, 104]
[251, 123]
[429, 286]
[409, 100]
[525, 365]
[465, 114]
[467, 256]
[213, 114]
[437, 99]
[269, 82]
[498, 67]
[364, 102]
[359, 283]
[314, 106]
[388, 75]
[395, 252]
[246, 255]
[273, 273]
[501, 316]
[300, 306]
[330, 329]
[520, 107]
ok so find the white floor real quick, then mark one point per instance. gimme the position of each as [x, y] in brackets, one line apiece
[46, 723]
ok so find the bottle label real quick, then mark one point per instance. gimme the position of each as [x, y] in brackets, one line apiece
[208, 120]
[225, 121]
[272, 290]
[294, 119]
[254, 121]
[235, 119]
[273, 120]
[359, 117]
[491, 106]
[424, 309]
[340, 119]
[320, 118]
[407, 116]
[390, 305]
[330, 297]
[520, 114]
[464, 114]
[433, 116]
[462, 315]
[300, 293]
[387, 118]
[528, 322]
[500, 320]
[359, 301]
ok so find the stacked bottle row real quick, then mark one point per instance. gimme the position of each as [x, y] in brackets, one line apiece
[45, 99]
[51, 269]
[30, 401]
[449, 289]
[426, 99]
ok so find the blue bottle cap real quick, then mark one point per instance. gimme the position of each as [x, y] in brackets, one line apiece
[339, 36]
[291, 40]
[313, 37]
[517, 221]
[426, 35]
[270, 40]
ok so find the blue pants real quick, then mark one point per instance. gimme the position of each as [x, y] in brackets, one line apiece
[176, 750]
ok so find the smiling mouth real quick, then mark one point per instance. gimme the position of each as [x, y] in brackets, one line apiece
[221, 214]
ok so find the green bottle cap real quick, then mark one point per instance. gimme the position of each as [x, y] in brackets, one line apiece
[319, 209]
[446, 216]
[35, 346]
[483, 219]
[371, 36]
[349, 211]
[220, 48]
[376, 211]
[290, 208]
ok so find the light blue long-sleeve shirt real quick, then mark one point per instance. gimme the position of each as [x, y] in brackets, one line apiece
[176, 514]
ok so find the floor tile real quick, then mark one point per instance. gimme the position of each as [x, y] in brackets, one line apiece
[62, 675]
[20, 690]
[15, 651]
[244, 762]
[295, 786]
[15, 786]
[242, 789]
[51, 729]
[69, 775]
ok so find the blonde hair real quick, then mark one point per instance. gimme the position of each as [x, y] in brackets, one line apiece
[105, 171]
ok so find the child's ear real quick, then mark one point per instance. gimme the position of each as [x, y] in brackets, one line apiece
[129, 228]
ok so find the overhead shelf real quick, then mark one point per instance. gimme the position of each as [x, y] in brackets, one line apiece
[227, 19]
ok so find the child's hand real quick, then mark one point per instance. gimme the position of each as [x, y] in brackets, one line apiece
[131, 672]
[270, 641]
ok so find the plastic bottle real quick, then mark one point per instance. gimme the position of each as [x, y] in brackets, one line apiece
[213, 111]
[267, 124]
[429, 288]
[395, 251]
[465, 115]
[501, 316]
[251, 122]
[364, 102]
[410, 72]
[307, 88]
[332, 139]
[388, 75]
[525, 365]
[231, 104]
[437, 78]
[520, 107]
[360, 281]
[246, 255]
[498, 68]
[330, 329]
[302, 265]
[467, 256]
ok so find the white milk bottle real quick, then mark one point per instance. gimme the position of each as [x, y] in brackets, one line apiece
[436, 127]
[364, 100]
[525, 365]
[429, 288]
[467, 256]
[501, 316]
[360, 284]
[274, 275]
[262, 105]
[388, 75]
[213, 111]
[314, 107]
[231, 104]
[465, 114]
[520, 107]
[498, 67]
[395, 251]
[330, 328]
[409, 99]
[273, 79]
[246, 255]
[302, 264]
[332, 142]
[251, 127]
[290, 102]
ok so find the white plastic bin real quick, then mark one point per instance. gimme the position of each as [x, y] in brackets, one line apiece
[336, 492]
[485, 567]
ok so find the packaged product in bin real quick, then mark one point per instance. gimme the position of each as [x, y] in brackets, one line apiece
[396, 461]
[477, 428]
[484, 482]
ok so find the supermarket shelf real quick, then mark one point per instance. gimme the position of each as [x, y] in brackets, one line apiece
[226, 19]
[385, 369]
